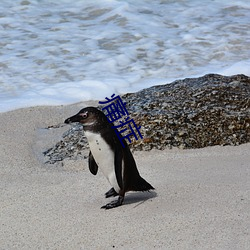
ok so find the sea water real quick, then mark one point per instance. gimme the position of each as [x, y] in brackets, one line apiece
[61, 52]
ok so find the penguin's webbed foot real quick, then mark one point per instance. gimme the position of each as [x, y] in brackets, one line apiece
[111, 193]
[113, 204]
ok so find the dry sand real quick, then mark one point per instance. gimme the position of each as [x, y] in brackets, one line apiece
[201, 201]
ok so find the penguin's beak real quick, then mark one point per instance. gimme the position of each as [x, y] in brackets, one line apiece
[74, 118]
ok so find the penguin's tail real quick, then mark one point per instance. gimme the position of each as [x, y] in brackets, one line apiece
[141, 185]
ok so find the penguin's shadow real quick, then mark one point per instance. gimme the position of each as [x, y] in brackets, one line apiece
[137, 198]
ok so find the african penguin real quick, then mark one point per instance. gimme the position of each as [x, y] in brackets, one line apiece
[107, 153]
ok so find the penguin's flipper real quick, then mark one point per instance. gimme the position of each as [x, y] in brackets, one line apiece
[118, 167]
[113, 204]
[111, 193]
[93, 167]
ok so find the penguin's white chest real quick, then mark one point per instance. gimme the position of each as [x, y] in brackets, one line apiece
[104, 157]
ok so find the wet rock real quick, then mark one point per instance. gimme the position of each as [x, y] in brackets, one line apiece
[190, 113]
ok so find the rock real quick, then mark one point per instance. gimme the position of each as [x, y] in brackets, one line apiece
[190, 113]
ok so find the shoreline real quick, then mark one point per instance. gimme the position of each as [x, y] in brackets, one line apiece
[201, 198]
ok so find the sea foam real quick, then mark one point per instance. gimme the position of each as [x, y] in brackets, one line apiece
[63, 52]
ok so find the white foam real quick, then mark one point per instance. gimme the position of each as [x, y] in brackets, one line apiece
[63, 52]
[242, 67]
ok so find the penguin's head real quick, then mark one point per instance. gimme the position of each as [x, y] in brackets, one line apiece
[89, 117]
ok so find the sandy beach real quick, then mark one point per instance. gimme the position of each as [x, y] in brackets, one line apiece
[201, 198]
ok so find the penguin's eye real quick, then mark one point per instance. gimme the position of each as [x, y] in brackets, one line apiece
[84, 115]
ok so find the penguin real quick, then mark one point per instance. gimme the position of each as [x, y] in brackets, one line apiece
[107, 153]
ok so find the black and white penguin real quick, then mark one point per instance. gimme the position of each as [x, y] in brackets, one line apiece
[107, 153]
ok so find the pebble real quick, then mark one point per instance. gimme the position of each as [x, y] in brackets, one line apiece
[189, 113]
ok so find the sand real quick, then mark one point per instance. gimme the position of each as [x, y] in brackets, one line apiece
[201, 200]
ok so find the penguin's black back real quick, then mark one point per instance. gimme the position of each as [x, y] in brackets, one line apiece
[132, 181]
